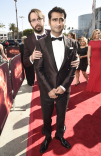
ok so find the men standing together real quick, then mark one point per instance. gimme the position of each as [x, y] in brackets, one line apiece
[55, 60]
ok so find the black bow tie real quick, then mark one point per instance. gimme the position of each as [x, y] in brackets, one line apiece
[38, 37]
[59, 38]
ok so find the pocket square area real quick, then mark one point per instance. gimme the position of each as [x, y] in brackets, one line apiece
[71, 48]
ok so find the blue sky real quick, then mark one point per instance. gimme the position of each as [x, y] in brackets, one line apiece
[73, 8]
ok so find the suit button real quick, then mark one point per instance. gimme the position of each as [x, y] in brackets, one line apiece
[68, 69]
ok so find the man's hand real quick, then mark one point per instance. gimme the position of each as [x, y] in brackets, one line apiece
[36, 55]
[59, 90]
[76, 62]
[52, 94]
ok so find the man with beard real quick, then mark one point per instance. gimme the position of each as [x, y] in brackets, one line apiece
[36, 19]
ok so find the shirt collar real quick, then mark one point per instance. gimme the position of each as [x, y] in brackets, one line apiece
[54, 36]
[39, 34]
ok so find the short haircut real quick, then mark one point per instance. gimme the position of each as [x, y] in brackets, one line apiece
[38, 13]
[23, 38]
[93, 34]
[57, 9]
[86, 41]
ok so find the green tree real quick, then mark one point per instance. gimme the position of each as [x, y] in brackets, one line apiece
[27, 32]
[65, 34]
[2, 25]
[13, 28]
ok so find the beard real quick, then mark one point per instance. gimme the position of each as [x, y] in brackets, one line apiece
[38, 28]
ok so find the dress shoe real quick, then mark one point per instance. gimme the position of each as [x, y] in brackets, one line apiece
[44, 145]
[77, 83]
[63, 142]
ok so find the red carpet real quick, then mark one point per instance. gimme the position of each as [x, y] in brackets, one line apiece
[83, 124]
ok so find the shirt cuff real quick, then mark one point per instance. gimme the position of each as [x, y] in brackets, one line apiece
[31, 60]
[63, 88]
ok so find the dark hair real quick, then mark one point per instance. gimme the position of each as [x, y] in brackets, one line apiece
[38, 12]
[56, 9]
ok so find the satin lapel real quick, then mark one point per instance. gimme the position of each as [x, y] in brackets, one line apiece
[67, 45]
[34, 39]
[50, 50]
[47, 32]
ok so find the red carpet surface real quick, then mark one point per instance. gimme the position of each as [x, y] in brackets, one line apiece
[83, 124]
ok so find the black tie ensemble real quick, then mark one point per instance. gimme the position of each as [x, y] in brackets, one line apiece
[41, 36]
[54, 38]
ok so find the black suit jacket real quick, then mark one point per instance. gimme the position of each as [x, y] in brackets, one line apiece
[48, 75]
[29, 46]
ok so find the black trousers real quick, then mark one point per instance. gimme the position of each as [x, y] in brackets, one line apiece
[47, 105]
[30, 74]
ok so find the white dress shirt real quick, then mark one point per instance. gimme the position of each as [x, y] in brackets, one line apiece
[59, 51]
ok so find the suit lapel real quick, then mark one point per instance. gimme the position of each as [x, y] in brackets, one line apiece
[34, 39]
[50, 50]
[66, 54]
[47, 32]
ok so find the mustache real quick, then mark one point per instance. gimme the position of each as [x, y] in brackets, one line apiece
[37, 25]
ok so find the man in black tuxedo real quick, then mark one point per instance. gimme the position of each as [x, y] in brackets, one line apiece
[36, 20]
[55, 74]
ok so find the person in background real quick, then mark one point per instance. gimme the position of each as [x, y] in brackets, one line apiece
[72, 35]
[88, 39]
[77, 39]
[82, 52]
[5, 46]
[16, 43]
[21, 47]
[2, 54]
[94, 61]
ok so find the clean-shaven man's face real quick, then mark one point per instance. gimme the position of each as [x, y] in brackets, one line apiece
[57, 23]
[37, 23]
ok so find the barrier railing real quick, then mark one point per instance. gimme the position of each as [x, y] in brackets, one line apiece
[6, 97]
[17, 74]
[12, 51]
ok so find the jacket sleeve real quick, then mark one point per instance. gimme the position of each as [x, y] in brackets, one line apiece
[26, 55]
[71, 73]
[39, 67]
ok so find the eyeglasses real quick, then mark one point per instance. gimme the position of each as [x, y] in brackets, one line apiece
[34, 20]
